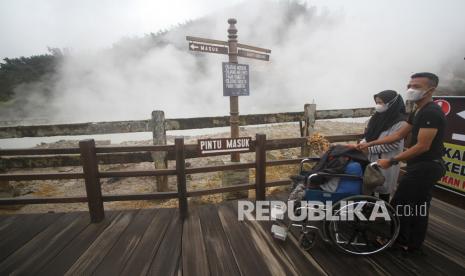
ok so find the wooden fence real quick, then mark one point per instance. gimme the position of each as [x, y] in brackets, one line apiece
[158, 120]
[90, 156]
[158, 125]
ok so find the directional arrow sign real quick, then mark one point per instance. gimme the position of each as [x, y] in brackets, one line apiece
[216, 145]
[249, 54]
[200, 47]
[458, 136]
[461, 114]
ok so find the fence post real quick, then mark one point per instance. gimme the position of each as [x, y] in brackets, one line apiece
[181, 175]
[159, 158]
[309, 126]
[6, 189]
[91, 177]
[260, 166]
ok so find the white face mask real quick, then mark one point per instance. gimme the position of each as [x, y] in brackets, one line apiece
[380, 108]
[415, 95]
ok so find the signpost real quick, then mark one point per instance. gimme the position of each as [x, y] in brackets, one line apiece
[235, 76]
[454, 142]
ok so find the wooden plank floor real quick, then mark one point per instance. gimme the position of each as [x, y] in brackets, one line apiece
[210, 242]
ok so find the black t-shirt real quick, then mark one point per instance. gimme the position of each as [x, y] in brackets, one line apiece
[430, 116]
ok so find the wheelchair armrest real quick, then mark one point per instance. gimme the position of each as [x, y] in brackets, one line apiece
[333, 175]
[342, 175]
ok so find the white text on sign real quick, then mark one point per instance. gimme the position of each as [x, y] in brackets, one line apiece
[220, 145]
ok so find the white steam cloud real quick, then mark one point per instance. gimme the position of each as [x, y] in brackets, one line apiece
[337, 57]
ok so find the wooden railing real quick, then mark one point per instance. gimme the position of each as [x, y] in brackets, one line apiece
[93, 128]
[90, 157]
[68, 157]
[158, 125]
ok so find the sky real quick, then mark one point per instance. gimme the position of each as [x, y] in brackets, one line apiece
[28, 27]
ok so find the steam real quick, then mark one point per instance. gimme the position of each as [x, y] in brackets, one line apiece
[336, 57]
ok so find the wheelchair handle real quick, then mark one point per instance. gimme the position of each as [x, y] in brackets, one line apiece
[308, 160]
[309, 178]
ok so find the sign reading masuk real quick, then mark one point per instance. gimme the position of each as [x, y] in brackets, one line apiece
[235, 79]
[454, 141]
[219, 145]
[208, 48]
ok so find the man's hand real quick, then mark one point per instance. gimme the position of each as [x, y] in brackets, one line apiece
[384, 163]
[363, 146]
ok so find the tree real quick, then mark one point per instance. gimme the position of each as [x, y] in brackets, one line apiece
[16, 71]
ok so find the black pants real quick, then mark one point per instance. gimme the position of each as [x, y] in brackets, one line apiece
[412, 201]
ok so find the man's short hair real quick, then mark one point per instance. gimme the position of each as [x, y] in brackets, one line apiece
[433, 79]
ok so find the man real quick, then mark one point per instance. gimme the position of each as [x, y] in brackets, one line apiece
[424, 161]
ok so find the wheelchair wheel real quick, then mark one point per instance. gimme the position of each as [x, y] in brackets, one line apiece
[307, 240]
[365, 225]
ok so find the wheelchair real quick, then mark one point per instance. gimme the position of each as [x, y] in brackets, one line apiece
[354, 227]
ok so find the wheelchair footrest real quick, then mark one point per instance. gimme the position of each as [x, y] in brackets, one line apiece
[279, 232]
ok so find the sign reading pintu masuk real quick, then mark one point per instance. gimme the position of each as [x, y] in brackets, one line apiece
[219, 145]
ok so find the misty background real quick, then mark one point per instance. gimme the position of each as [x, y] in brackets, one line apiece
[119, 60]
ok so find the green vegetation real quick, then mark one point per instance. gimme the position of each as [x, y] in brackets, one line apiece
[17, 71]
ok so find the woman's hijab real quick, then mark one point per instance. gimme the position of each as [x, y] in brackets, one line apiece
[380, 122]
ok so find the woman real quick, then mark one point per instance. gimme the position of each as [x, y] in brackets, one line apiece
[389, 117]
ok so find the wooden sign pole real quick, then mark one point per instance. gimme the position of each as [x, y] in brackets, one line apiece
[233, 50]
[233, 100]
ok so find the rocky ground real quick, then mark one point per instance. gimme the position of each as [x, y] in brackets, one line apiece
[147, 184]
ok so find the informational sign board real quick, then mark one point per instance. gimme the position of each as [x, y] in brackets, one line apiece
[200, 47]
[220, 145]
[454, 141]
[235, 79]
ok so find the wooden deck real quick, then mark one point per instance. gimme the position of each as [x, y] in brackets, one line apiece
[210, 242]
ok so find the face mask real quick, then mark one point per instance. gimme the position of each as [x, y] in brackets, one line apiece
[415, 95]
[380, 108]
